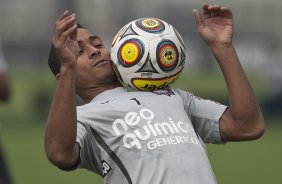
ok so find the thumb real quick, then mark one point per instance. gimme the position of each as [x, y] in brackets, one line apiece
[199, 20]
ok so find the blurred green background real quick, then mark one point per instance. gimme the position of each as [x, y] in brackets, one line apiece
[26, 31]
[23, 122]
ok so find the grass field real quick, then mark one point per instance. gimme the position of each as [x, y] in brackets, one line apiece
[22, 135]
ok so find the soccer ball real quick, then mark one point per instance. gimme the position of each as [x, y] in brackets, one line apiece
[148, 54]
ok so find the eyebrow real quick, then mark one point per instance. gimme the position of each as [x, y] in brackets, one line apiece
[90, 38]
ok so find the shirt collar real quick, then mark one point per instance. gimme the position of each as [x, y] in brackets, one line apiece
[108, 93]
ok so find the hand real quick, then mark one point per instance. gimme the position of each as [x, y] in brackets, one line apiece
[65, 40]
[216, 25]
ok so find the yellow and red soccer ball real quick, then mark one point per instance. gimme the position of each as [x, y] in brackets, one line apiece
[148, 53]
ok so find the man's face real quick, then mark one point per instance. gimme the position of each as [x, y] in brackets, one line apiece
[93, 63]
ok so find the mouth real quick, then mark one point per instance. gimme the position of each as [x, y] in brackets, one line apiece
[99, 62]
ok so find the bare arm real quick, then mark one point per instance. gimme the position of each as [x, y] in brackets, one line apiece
[60, 134]
[243, 120]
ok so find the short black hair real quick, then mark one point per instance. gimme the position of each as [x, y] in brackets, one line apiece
[53, 61]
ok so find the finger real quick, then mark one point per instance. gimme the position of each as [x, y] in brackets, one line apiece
[67, 33]
[206, 12]
[62, 16]
[61, 36]
[64, 25]
[70, 33]
[199, 20]
[216, 10]
[58, 21]
[66, 20]
[73, 35]
[212, 10]
[224, 11]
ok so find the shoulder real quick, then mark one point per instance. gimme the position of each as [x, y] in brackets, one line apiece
[182, 93]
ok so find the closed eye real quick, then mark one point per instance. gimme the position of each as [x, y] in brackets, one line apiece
[99, 45]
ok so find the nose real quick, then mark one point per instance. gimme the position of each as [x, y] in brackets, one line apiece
[92, 51]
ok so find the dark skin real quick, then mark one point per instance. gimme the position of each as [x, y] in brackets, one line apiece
[86, 70]
[243, 119]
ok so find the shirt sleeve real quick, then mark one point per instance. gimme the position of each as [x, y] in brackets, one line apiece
[205, 116]
[88, 149]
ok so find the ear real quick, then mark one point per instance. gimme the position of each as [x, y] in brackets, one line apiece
[58, 76]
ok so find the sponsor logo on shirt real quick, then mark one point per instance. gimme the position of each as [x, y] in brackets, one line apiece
[139, 129]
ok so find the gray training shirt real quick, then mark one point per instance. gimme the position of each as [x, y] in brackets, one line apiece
[148, 137]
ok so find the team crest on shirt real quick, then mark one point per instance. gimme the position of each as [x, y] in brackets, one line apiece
[167, 92]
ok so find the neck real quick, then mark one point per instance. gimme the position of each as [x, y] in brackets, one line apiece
[88, 94]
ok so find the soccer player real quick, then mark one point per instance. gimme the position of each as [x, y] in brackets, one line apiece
[143, 137]
[4, 97]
